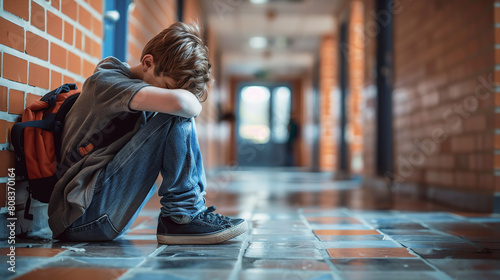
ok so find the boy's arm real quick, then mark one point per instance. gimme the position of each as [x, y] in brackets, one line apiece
[177, 102]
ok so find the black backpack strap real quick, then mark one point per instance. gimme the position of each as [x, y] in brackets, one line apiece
[51, 97]
[27, 207]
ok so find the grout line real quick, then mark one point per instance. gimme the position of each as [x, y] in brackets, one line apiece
[138, 266]
[323, 251]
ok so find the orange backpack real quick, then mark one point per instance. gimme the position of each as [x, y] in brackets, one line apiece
[37, 142]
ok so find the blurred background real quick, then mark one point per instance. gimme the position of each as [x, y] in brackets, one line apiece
[400, 94]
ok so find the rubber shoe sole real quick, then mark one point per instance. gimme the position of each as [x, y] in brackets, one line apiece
[213, 238]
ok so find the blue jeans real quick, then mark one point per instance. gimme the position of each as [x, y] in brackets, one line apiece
[168, 145]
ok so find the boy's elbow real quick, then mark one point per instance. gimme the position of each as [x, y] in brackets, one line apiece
[188, 109]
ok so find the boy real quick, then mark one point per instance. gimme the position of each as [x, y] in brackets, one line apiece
[115, 148]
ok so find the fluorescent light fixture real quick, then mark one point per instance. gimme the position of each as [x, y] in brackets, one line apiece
[258, 42]
[258, 1]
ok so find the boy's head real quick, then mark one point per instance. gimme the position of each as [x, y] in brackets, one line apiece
[180, 54]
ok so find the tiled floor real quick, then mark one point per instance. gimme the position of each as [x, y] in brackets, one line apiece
[303, 226]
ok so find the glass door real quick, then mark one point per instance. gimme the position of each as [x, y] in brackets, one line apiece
[262, 127]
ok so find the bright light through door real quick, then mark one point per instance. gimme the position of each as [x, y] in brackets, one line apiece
[254, 114]
[281, 114]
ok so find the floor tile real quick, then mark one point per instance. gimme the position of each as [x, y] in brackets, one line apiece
[333, 220]
[361, 244]
[33, 252]
[179, 274]
[199, 252]
[369, 253]
[284, 264]
[288, 253]
[284, 275]
[118, 249]
[340, 227]
[451, 265]
[192, 263]
[382, 264]
[339, 234]
[73, 273]
[385, 275]
[439, 253]
[350, 237]
[346, 232]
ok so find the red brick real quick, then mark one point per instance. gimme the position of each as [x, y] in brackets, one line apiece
[497, 162]
[497, 141]
[55, 79]
[74, 63]
[68, 33]
[16, 101]
[9, 128]
[96, 49]
[88, 68]
[67, 79]
[37, 16]
[15, 68]
[497, 14]
[85, 18]
[78, 39]
[3, 131]
[56, 4]
[92, 47]
[37, 46]
[30, 98]
[97, 27]
[58, 55]
[11, 35]
[3, 98]
[69, 8]
[497, 77]
[38, 76]
[97, 5]
[6, 162]
[54, 25]
[19, 8]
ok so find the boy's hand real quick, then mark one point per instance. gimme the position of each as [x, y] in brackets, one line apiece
[177, 102]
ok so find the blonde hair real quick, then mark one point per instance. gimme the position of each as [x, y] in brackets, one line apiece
[180, 53]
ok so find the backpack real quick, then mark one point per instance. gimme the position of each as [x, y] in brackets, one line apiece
[37, 142]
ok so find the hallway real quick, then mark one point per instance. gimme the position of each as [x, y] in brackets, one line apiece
[303, 226]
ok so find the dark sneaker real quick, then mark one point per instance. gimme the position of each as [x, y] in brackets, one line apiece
[206, 228]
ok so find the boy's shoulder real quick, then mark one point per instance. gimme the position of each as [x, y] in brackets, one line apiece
[110, 70]
[112, 63]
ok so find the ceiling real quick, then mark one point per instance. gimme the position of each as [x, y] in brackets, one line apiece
[293, 29]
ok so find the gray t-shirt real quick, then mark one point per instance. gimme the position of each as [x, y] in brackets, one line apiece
[90, 138]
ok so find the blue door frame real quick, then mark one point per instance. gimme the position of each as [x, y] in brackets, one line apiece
[115, 32]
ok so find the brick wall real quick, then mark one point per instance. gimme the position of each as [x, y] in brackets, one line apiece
[369, 91]
[147, 18]
[43, 44]
[443, 114]
[328, 99]
[355, 84]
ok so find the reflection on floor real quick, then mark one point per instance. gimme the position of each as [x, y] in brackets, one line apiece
[303, 226]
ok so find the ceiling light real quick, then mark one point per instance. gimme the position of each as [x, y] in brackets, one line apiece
[258, 1]
[258, 42]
